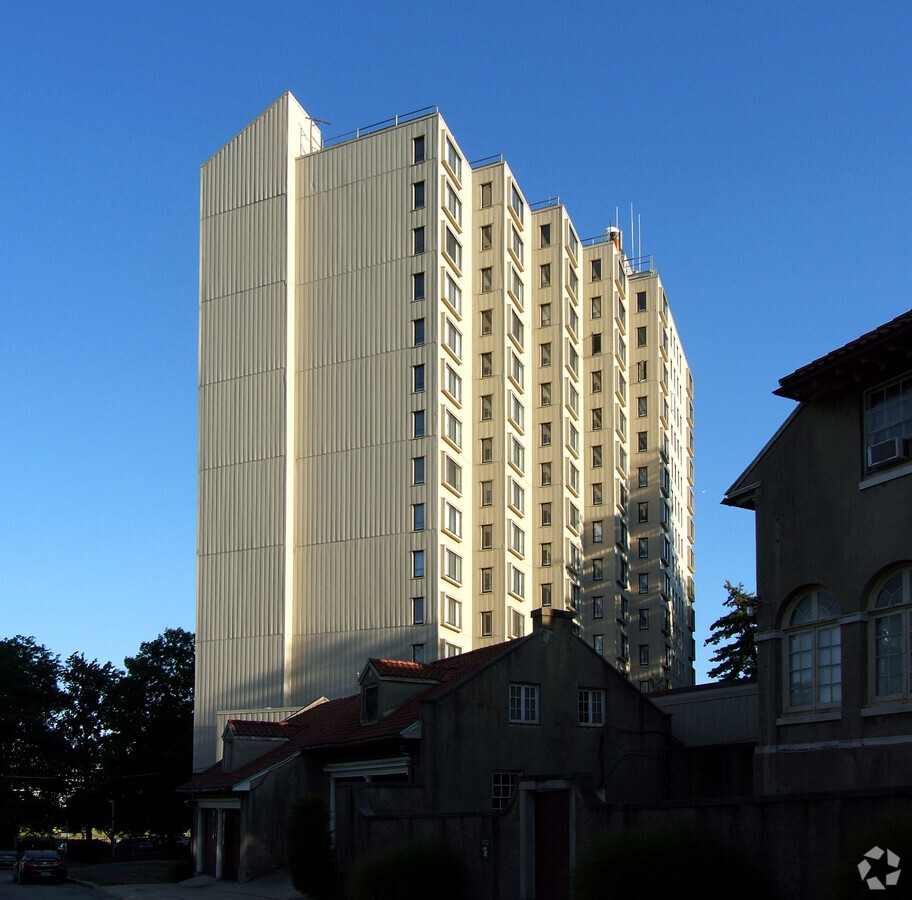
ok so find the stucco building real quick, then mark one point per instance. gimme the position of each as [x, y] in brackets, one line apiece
[427, 408]
[832, 492]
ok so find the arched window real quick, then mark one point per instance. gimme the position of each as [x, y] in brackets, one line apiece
[814, 653]
[891, 622]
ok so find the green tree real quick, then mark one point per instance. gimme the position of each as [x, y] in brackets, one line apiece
[153, 742]
[87, 723]
[31, 746]
[736, 659]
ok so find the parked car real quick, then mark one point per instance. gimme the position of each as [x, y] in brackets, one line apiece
[8, 858]
[40, 865]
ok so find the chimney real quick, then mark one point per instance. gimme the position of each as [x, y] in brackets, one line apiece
[552, 618]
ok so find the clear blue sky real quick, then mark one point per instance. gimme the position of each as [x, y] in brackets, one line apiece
[766, 147]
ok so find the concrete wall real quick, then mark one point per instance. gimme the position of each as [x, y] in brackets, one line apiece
[793, 845]
[819, 524]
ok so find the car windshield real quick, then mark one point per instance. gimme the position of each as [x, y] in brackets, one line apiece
[42, 854]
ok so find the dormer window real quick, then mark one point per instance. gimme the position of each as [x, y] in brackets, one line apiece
[888, 424]
[370, 706]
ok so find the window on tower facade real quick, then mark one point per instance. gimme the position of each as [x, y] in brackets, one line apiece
[453, 248]
[418, 149]
[453, 159]
[418, 195]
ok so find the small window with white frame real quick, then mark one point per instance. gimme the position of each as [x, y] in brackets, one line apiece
[524, 703]
[503, 786]
[591, 707]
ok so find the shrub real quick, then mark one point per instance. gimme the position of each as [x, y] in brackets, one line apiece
[310, 855]
[662, 862]
[409, 871]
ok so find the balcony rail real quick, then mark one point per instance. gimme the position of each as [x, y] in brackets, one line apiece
[381, 126]
[545, 204]
[487, 161]
[641, 264]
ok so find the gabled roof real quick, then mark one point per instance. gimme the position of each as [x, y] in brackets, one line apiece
[396, 668]
[874, 357]
[840, 369]
[255, 728]
[337, 723]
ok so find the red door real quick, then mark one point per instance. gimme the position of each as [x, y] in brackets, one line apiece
[552, 845]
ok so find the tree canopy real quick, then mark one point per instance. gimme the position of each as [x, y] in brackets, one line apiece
[736, 659]
[82, 740]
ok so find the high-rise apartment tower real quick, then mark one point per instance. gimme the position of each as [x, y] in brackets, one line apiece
[426, 408]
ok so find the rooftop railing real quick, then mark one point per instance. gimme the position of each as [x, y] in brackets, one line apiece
[380, 126]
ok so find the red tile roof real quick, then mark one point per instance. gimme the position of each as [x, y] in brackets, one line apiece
[338, 722]
[256, 728]
[829, 372]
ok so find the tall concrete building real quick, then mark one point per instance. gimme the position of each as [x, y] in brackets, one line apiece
[420, 418]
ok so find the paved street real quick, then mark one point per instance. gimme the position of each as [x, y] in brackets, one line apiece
[10, 890]
[146, 880]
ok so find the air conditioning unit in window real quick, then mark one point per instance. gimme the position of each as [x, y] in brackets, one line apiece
[887, 451]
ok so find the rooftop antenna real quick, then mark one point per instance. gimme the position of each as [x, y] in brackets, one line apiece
[640, 234]
[632, 233]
